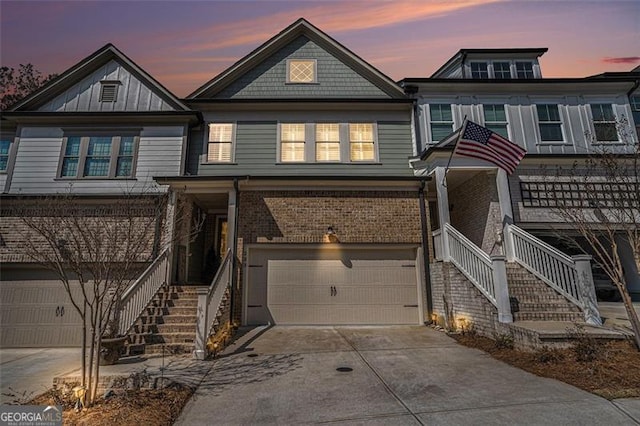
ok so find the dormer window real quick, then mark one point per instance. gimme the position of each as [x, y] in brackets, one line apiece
[524, 70]
[301, 71]
[109, 91]
[501, 70]
[479, 70]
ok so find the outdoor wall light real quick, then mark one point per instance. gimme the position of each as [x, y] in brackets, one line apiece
[330, 236]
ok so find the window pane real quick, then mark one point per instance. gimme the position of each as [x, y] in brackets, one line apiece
[361, 132]
[362, 151]
[292, 151]
[440, 131]
[292, 132]
[440, 112]
[99, 146]
[550, 132]
[524, 69]
[220, 132]
[126, 145]
[479, 70]
[327, 132]
[4, 147]
[96, 166]
[602, 112]
[327, 151]
[494, 113]
[548, 112]
[69, 167]
[501, 70]
[73, 146]
[219, 152]
[124, 166]
[606, 132]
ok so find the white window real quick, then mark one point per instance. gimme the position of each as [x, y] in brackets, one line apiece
[361, 142]
[479, 70]
[524, 70]
[327, 142]
[501, 70]
[549, 123]
[604, 123]
[98, 156]
[495, 119]
[301, 71]
[292, 137]
[220, 143]
[109, 91]
[441, 121]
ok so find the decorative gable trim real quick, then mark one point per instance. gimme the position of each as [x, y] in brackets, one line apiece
[301, 27]
[84, 68]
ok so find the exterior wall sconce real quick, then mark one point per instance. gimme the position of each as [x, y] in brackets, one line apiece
[330, 236]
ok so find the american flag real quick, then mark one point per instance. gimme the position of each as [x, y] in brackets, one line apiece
[477, 141]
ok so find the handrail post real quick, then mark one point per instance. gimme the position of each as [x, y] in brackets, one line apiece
[587, 289]
[501, 288]
[200, 351]
[509, 249]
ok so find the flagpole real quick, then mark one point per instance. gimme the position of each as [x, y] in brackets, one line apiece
[446, 169]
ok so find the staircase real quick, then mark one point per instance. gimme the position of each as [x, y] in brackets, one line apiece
[533, 300]
[168, 323]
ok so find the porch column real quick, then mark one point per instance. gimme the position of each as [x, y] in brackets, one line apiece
[443, 209]
[587, 289]
[501, 289]
[200, 351]
[231, 220]
[506, 211]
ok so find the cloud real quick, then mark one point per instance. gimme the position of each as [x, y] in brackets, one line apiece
[332, 17]
[621, 60]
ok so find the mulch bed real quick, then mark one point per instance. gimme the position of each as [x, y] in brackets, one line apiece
[126, 407]
[608, 369]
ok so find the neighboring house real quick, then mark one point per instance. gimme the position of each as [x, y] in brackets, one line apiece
[101, 130]
[552, 118]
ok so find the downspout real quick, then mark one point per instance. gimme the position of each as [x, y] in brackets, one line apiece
[234, 254]
[633, 89]
[425, 253]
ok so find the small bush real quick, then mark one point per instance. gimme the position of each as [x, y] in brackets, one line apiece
[548, 355]
[504, 341]
[584, 347]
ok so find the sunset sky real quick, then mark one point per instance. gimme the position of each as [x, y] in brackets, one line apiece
[185, 43]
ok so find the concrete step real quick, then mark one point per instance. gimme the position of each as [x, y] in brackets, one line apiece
[176, 328]
[173, 310]
[169, 303]
[169, 348]
[174, 337]
[178, 319]
[536, 298]
[548, 316]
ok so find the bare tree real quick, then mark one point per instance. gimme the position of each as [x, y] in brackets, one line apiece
[17, 84]
[607, 212]
[96, 249]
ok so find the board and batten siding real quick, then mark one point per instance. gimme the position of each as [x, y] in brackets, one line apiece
[256, 154]
[523, 119]
[335, 79]
[133, 94]
[38, 157]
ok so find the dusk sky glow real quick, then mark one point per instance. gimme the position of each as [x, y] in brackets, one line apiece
[183, 44]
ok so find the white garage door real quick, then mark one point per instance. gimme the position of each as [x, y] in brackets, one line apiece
[37, 314]
[314, 286]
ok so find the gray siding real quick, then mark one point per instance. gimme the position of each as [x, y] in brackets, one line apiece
[38, 157]
[133, 94]
[256, 154]
[334, 78]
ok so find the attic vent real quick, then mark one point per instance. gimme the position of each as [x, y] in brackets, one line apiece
[109, 91]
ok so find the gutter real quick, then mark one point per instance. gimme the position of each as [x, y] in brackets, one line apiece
[425, 251]
[633, 89]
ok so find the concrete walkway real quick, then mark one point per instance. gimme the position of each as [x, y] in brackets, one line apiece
[394, 375]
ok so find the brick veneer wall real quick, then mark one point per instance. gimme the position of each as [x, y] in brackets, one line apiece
[454, 297]
[476, 211]
[364, 217]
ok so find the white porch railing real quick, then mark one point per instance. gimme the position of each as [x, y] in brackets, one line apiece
[569, 276]
[137, 297]
[209, 301]
[487, 274]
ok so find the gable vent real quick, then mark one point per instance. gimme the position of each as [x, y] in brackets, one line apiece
[109, 91]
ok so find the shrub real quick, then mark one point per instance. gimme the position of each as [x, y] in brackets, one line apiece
[504, 341]
[548, 355]
[584, 347]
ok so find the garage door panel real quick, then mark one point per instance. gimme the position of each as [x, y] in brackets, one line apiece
[373, 285]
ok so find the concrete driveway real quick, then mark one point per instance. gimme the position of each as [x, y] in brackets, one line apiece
[26, 373]
[393, 375]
